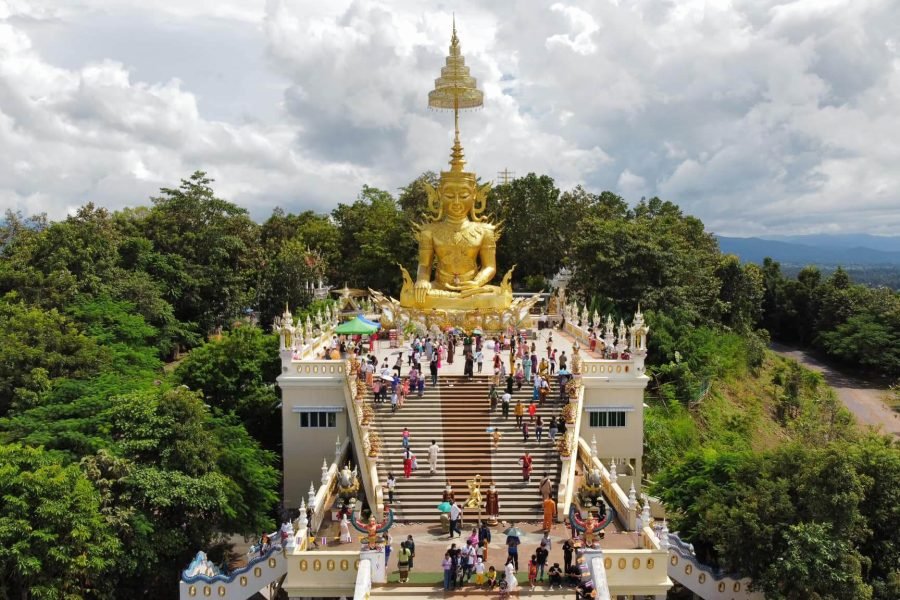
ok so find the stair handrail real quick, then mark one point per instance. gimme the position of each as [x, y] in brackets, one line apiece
[354, 391]
[363, 587]
[613, 491]
[726, 584]
[328, 488]
[566, 489]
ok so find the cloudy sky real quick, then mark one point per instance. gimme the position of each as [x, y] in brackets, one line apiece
[758, 116]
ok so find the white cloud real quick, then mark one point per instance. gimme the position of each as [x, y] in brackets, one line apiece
[755, 115]
[583, 26]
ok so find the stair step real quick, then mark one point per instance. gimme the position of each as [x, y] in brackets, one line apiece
[456, 413]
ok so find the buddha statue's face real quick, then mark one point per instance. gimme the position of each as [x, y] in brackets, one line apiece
[458, 197]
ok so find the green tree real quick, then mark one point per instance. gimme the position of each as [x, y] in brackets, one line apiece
[285, 278]
[655, 256]
[413, 198]
[236, 374]
[54, 541]
[532, 235]
[816, 564]
[740, 295]
[210, 252]
[193, 477]
[38, 347]
[375, 235]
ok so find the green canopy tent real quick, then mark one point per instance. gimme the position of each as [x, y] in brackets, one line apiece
[357, 326]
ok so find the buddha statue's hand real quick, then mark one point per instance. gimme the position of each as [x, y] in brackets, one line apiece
[463, 286]
[422, 288]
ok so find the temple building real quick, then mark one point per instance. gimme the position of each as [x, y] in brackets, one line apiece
[340, 442]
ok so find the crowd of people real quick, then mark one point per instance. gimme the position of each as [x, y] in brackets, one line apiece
[514, 365]
[468, 564]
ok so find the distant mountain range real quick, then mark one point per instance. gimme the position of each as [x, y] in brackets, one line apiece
[848, 250]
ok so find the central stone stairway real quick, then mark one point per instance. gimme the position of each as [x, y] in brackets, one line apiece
[457, 414]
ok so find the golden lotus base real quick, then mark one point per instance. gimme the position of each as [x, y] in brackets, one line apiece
[486, 319]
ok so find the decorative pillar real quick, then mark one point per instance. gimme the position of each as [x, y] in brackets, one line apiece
[613, 475]
[337, 451]
[632, 497]
[304, 520]
[664, 536]
[609, 334]
[638, 343]
[324, 471]
[312, 496]
[621, 343]
[593, 446]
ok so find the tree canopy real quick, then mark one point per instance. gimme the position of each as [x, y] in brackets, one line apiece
[131, 455]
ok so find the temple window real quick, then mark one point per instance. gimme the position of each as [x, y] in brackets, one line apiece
[608, 418]
[317, 419]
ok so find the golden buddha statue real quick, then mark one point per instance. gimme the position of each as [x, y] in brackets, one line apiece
[457, 241]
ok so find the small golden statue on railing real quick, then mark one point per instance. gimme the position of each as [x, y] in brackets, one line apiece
[566, 444]
[576, 359]
[368, 415]
[374, 444]
[568, 412]
[352, 365]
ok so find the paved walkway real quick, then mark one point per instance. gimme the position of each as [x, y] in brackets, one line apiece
[562, 342]
[862, 398]
[431, 544]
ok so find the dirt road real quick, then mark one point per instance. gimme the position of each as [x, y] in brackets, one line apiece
[862, 398]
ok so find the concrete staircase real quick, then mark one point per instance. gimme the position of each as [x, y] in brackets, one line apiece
[456, 414]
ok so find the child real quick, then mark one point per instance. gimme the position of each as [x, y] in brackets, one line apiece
[394, 401]
[404, 391]
[479, 572]
[405, 437]
[532, 571]
[391, 482]
[376, 391]
[491, 580]
[504, 587]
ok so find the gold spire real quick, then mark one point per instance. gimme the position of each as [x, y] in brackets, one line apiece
[455, 89]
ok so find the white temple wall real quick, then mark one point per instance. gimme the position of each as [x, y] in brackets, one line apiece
[614, 399]
[305, 447]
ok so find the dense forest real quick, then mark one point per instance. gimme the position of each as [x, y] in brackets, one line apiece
[138, 418]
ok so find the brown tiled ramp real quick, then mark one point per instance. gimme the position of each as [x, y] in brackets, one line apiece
[457, 414]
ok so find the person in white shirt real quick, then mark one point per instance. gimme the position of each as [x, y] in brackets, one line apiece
[469, 554]
[455, 520]
[433, 451]
[511, 576]
[479, 359]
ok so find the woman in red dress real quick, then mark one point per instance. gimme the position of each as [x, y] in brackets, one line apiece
[407, 463]
[526, 466]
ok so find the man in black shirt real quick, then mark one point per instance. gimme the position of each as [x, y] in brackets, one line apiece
[541, 557]
[568, 548]
[454, 562]
[555, 574]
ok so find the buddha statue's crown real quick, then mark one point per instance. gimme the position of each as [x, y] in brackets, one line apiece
[457, 162]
